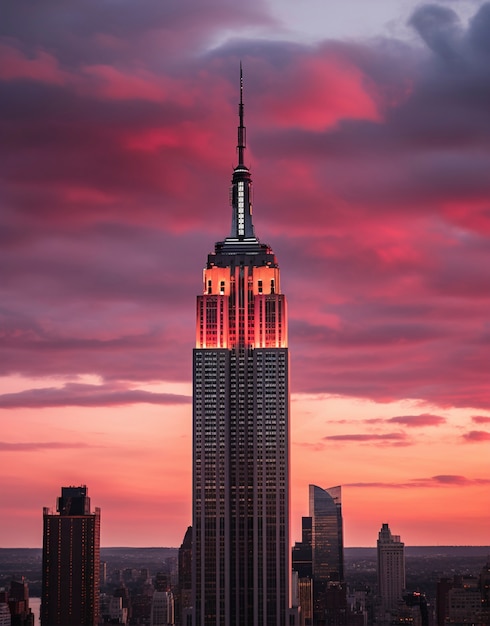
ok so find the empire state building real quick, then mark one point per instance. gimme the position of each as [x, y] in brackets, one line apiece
[241, 561]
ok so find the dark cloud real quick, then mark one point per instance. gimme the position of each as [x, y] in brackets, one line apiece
[396, 439]
[440, 28]
[76, 394]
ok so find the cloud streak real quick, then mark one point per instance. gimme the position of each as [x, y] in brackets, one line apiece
[431, 482]
[76, 394]
[37, 446]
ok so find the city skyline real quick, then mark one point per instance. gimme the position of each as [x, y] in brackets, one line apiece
[368, 145]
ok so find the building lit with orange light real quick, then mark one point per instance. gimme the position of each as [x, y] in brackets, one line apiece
[241, 560]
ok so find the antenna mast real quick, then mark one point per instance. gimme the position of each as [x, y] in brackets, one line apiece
[241, 128]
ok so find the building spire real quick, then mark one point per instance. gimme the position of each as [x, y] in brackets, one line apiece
[241, 127]
[241, 185]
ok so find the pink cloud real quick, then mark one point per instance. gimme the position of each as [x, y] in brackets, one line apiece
[417, 421]
[480, 419]
[42, 67]
[317, 91]
[476, 436]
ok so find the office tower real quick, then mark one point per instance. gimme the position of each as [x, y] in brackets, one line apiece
[391, 569]
[241, 562]
[327, 540]
[327, 554]
[71, 561]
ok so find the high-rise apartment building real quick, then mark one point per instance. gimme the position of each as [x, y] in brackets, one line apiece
[241, 564]
[71, 561]
[391, 569]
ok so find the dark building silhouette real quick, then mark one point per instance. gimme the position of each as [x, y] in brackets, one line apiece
[14, 605]
[71, 561]
[485, 585]
[241, 558]
[183, 607]
[415, 610]
[302, 551]
[464, 599]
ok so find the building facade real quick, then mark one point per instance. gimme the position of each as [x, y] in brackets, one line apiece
[327, 535]
[241, 563]
[319, 559]
[162, 609]
[71, 561]
[391, 569]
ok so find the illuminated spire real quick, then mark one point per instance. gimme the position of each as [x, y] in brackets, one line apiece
[241, 184]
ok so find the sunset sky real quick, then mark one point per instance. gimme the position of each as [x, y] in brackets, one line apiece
[368, 138]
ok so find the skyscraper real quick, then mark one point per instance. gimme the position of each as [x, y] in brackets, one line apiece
[391, 569]
[327, 540]
[319, 557]
[71, 561]
[241, 564]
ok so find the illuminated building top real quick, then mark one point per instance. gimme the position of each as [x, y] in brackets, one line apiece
[242, 305]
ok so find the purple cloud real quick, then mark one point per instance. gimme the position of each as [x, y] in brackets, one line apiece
[395, 439]
[418, 421]
[476, 436]
[75, 394]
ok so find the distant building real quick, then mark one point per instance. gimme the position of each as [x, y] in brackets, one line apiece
[18, 601]
[103, 573]
[391, 570]
[415, 610]
[327, 541]
[71, 561]
[485, 585]
[162, 609]
[463, 600]
[318, 560]
[118, 614]
[4, 609]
